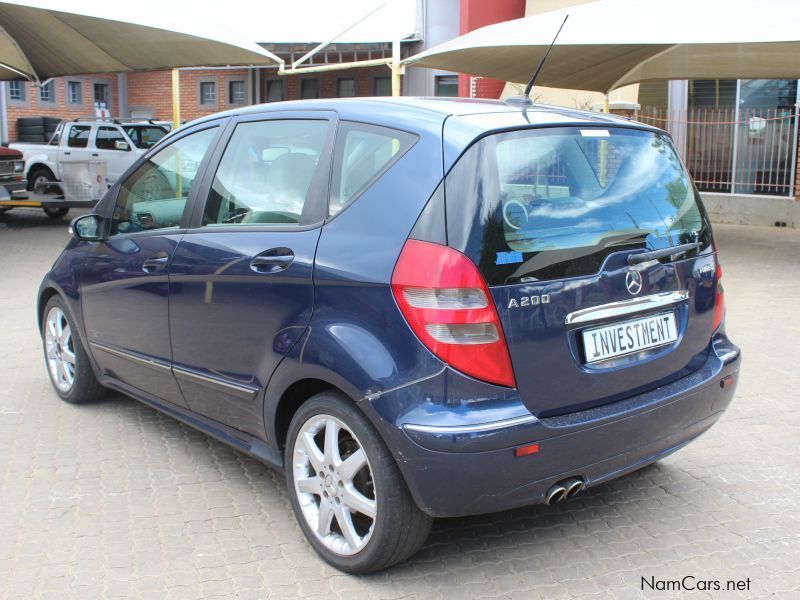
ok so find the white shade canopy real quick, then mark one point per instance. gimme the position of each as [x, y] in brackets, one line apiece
[40, 39]
[611, 43]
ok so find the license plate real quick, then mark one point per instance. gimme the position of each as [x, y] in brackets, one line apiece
[627, 337]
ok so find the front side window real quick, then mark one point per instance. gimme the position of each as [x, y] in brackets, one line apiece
[363, 152]
[107, 138]
[16, 90]
[552, 203]
[78, 136]
[145, 136]
[265, 176]
[236, 92]
[154, 196]
[208, 92]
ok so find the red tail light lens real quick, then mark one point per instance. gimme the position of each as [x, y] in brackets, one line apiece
[719, 303]
[446, 302]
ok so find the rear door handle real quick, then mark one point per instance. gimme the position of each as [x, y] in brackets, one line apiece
[272, 260]
[156, 262]
[95, 154]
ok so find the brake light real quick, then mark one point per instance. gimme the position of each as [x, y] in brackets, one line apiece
[719, 301]
[447, 303]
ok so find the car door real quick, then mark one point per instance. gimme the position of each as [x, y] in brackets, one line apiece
[125, 278]
[75, 144]
[242, 292]
[117, 158]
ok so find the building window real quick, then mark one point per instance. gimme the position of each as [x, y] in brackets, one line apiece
[308, 88]
[74, 92]
[274, 90]
[16, 90]
[346, 88]
[447, 85]
[383, 86]
[236, 92]
[47, 92]
[101, 94]
[208, 92]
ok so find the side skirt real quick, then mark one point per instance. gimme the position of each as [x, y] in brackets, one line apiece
[239, 440]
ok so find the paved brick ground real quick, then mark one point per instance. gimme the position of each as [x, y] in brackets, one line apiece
[117, 500]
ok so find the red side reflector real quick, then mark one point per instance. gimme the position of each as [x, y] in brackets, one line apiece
[726, 381]
[526, 450]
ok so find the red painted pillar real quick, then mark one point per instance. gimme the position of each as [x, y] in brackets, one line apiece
[474, 15]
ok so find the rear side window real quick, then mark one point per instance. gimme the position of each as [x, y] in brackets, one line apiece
[267, 174]
[78, 136]
[107, 137]
[363, 153]
[552, 203]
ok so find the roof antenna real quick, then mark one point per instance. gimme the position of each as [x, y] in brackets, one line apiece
[525, 99]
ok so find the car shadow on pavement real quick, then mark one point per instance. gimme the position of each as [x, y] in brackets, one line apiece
[603, 522]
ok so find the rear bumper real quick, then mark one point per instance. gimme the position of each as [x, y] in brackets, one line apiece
[463, 469]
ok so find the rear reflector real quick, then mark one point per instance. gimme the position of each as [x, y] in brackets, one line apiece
[447, 304]
[719, 301]
[526, 450]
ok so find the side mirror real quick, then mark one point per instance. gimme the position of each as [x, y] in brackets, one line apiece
[121, 145]
[87, 228]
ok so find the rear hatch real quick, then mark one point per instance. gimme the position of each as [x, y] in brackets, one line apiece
[551, 217]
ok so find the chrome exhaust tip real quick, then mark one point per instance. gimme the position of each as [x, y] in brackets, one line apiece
[573, 486]
[556, 494]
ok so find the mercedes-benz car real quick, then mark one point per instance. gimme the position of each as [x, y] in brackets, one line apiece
[415, 308]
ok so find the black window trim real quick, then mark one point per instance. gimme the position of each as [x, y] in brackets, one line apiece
[337, 158]
[322, 178]
[106, 205]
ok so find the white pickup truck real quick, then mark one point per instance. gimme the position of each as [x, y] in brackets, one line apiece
[117, 144]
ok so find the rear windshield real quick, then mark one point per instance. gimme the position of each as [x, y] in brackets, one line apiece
[551, 203]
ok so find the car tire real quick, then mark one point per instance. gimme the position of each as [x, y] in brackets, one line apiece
[397, 529]
[37, 173]
[55, 213]
[65, 358]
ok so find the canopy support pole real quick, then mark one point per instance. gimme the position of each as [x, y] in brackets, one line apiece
[176, 98]
[397, 69]
[606, 104]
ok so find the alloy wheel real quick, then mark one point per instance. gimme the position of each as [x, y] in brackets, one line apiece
[60, 349]
[334, 484]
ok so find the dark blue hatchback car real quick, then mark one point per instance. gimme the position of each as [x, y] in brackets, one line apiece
[417, 308]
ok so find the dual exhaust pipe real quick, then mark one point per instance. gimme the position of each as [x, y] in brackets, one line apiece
[566, 488]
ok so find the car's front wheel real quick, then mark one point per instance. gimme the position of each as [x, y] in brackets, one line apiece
[67, 363]
[346, 490]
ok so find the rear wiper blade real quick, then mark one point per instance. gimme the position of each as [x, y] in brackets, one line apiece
[636, 259]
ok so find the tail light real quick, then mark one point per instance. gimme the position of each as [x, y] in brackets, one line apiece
[446, 302]
[719, 302]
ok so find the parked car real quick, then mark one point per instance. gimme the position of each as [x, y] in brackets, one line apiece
[12, 179]
[119, 145]
[416, 308]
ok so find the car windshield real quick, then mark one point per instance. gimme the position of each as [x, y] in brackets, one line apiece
[553, 203]
[145, 136]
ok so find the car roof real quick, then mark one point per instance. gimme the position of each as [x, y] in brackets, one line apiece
[409, 106]
[457, 121]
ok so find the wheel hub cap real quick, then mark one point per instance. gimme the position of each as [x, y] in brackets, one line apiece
[334, 486]
[59, 349]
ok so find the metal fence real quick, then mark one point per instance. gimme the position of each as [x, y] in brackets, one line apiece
[749, 151]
